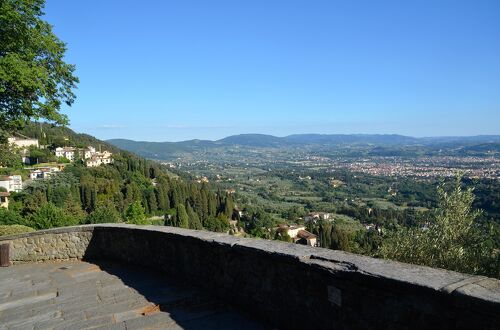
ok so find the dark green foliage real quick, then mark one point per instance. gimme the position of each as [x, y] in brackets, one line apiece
[152, 204]
[8, 217]
[218, 224]
[182, 219]
[325, 234]
[454, 240]
[340, 239]
[104, 213]
[194, 220]
[9, 157]
[258, 223]
[282, 236]
[228, 207]
[135, 214]
[367, 242]
[294, 212]
[49, 216]
[34, 79]
[41, 155]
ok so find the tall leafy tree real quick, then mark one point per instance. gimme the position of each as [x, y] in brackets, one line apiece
[34, 78]
[9, 157]
[453, 241]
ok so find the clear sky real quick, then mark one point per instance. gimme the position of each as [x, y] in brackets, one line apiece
[175, 70]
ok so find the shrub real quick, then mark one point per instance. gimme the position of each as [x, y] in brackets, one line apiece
[9, 217]
[49, 216]
[104, 214]
[6, 230]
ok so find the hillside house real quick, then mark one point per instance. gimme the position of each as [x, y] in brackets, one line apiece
[316, 216]
[92, 157]
[99, 158]
[11, 183]
[299, 235]
[306, 238]
[43, 172]
[66, 152]
[4, 199]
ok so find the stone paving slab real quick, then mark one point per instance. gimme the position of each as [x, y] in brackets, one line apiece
[82, 295]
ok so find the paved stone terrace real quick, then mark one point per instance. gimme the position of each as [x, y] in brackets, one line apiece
[82, 295]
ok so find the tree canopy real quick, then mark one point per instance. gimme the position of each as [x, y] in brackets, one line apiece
[34, 78]
[453, 241]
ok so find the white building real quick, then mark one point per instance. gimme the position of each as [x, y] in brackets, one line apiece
[43, 173]
[299, 235]
[66, 152]
[11, 183]
[99, 158]
[93, 158]
[293, 231]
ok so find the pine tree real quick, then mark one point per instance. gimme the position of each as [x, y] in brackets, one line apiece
[135, 214]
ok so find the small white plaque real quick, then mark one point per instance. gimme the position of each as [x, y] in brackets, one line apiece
[334, 295]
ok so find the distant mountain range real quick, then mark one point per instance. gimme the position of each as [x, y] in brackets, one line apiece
[168, 150]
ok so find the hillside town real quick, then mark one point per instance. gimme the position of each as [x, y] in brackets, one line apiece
[89, 156]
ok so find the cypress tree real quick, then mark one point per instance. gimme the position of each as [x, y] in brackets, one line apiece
[194, 220]
[152, 203]
[182, 217]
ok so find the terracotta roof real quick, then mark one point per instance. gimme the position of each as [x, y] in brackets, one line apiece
[4, 194]
[305, 234]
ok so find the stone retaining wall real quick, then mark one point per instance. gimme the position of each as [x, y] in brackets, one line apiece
[50, 246]
[291, 286]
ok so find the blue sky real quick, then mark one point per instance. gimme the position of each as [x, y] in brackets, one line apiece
[177, 70]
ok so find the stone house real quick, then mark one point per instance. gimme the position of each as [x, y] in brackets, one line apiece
[316, 216]
[307, 238]
[299, 234]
